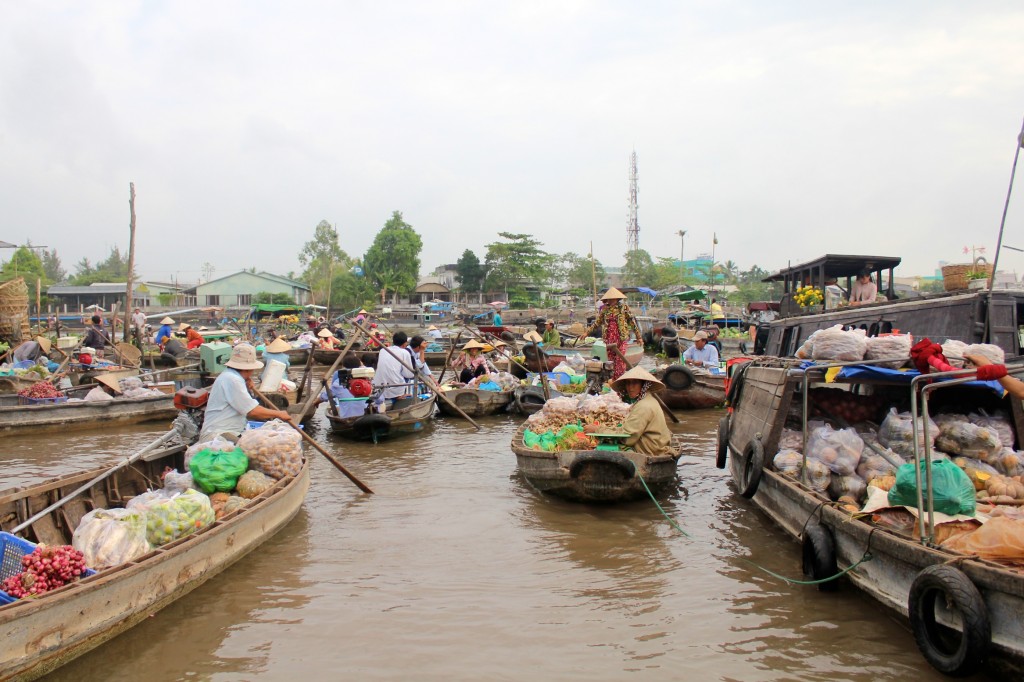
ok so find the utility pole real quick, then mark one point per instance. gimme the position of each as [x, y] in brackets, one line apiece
[682, 242]
[131, 261]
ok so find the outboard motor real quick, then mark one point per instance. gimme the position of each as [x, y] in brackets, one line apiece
[598, 373]
[191, 402]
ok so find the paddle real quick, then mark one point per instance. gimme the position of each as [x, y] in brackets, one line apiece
[305, 375]
[309, 439]
[448, 359]
[615, 349]
[64, 363]
[431, 384]
[182, 426]
[330, 372]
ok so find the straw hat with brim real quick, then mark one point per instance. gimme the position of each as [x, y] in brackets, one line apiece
[700, 336]
[431, 328]
[612, 294]
[44, 343]
[473, 343]
[324, 333]
[500, 344]
[362, 312]
[533, 337]
[167, 320]
[243, 356]
[278, 345]
[636, 373]
[110, 381]
[551, 322]
[184, 326]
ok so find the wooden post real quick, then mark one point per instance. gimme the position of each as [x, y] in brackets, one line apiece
[39, 307]
[131, 261]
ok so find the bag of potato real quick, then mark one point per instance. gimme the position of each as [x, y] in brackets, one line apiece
[892, 346]
[998, 422]
[274, 449]
[788, 463]
[253, 484]
[969, 440]
[897, 433]
[994, 353]
[953, 351]
[839, 450]
[839, 345]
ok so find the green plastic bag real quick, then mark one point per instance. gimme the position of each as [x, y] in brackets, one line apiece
[547, 441]
[217, 470]
[953, 491]
[530, 438]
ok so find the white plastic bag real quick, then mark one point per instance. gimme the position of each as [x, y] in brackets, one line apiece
[111, 537]
[897, 433]
[839, 450]
[897, 346]
[837, 345]
[274, 449]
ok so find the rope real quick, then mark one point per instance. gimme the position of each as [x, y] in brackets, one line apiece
[867, 556]
[663, 512]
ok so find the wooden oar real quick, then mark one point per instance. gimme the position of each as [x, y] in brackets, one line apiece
[309, 439]
[430, 382]
[305, 375]
[64, 363]
[615, 349]
[448, 359]
[312, 396]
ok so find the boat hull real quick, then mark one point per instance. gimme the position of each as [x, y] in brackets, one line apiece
[86, 414]
[474, 402]
[376, 427]
[707, 390]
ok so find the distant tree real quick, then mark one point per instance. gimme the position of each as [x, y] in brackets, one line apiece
[273, 298]
[754, 274]
[114, 268]
[580, 275]
[166, 298]
[392, 262]
[471, 273]
[730, 270]
[322, 256]
[26, 264]
[639, 269]
[515, 263]
[52, 266]
[351, 290]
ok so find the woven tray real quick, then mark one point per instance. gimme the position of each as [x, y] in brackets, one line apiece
[956, 277]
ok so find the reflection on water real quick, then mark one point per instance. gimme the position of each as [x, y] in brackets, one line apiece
[457, 569]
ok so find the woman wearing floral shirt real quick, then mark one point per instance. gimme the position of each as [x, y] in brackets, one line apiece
[618, 323]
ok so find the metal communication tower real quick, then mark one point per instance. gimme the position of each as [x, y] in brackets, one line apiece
[632, 226]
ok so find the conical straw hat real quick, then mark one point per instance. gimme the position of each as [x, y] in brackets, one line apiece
[637, 373]
[611, 294]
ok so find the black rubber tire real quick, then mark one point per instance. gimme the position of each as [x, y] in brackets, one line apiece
[723, 442]
[648, 338]
[751, 468]
[367, 426]
[619, 461]
[732, 396]
[677, 377]
[940, 646]
[508, 336]
[279, 400]
[670, 346]
[820, 556]
[668, 332]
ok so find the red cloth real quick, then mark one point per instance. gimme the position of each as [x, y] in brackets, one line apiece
[926, 355]
[991, 372]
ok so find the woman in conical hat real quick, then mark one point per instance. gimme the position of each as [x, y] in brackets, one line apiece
[471, 361]
[618, 324]
[646, 426]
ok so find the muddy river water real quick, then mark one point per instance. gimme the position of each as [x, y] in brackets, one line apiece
[456, 569]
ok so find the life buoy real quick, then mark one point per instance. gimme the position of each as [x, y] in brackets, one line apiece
[723, 442]
[670, 346]
[820, 556]
[947, 653]
[585, 460]
[751, 466]
[677, 377]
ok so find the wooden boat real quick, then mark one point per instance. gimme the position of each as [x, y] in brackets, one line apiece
[474, 402]
[297, 356]
[594, 475]
[407, 415]
[12, 383]
[527, 400]
[46, 632]
[325, 357]
[80, 415]
[688, 388]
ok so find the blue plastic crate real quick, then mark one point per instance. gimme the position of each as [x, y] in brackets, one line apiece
[12, 548]
[40, 401]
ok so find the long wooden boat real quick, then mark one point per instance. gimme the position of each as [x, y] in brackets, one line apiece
[688, 388]
[12, 383]
[474, 402]
[595, 475]
[527, 400]
[297, 356]
[85, 414]
[408, 415]
[46, 632]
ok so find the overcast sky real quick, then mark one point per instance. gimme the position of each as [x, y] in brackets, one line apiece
[790, 129]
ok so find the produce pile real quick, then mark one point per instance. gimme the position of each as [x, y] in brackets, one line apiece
[40, 389]
[169, 517]
[45, 568]
[132, 387]
[569, 437]
[274, 449]
[560, 424]
[504, 381]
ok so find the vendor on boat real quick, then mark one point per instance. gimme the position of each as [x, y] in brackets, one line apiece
[164, 332]
[716, 310]
[108, 388]
[139, 326]
[863, 290]
[496, 319]
[230, 403]
[418, 351]
[276, 350]
[344, 394]
[618, 323]
[32, 350]
[645, 424]
[395, 370]
[471, 362]
[193, 339]
[551, 338]
[96, 336]
[701, 353]
[327, 340]
[434, 333]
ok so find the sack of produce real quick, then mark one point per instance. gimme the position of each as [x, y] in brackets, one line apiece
[218, 500]
[852, 486]
[216, 443]
[953, 351]
[253, 484]
[275, 449]
[1009, 462]
[839, 450]
[606, 409]
[991, 351]
[952, 492]
[217, 470]
[233, 504]
[111, 537]
[1001, 538]
[175, 482]
[998, 422]
[791, 440]
[976, 470]
[169, 518]
[897, 433]
[893, 346]
[806, 349]
[964, 438]
[873, 466]
[947, 419]
[789, 462]
[838, 345]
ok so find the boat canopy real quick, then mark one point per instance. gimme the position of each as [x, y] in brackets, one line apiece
[840, 268]
[692, 295]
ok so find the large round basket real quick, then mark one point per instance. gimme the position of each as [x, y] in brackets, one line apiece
[956, 277]
[14, 310]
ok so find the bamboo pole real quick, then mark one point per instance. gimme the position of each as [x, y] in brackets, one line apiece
[131, 262]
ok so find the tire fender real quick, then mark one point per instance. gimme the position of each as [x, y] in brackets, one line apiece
[677, 377]
[819, 561]
[949, 586]
[467, 401]
[750, 469]
[613, 458]
[371, 424]
[670, 346]
[723, 442]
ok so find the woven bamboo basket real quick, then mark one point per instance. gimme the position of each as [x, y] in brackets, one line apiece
[14, 311]
[956, 277]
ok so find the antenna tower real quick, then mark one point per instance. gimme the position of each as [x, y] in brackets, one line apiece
[632, 226]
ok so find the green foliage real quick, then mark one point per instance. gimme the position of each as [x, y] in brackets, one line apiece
[112, 269]
[933, 286]
[350, 291]
[273, 298]
[471, 273]
[52, 266]
[748, 292]
[639, 270]
[166, 298]
[323, 257]
[580, 276]
[514, 264]
[392, 263]
[25, 263]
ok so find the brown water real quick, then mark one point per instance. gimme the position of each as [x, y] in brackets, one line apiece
[457, 569]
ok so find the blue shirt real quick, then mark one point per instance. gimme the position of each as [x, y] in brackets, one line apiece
[707, 357]
[497, 319]
[163, 333]
[346, 409]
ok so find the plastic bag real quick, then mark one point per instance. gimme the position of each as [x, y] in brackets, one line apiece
[216, 443]
[953, 351]
[839, 450]
[253, 484]
[872, 466]
[218, 471]
[178, 482]
[275, 449]
[169, 518]
[976, 470]
[964, 438]
[839, 345]
[791, 440]
[998, 422]
[111, 537]
[233, 504]
[893, 346]
[846, 486]
[806, 349]
[1001, 538]
[788, 463]
[953, 492]
[1009, 462]
[897, 433]
[994, 353]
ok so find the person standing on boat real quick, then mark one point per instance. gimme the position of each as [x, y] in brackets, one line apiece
[496, 320]
[645, 424]
[165, 332]
[139, 326]
[434, 333]
[716, 310]
[96, 336]
[701, 353]
[394, 370]
[550, 337]
[276, 350]
[193, 339]
[863, 290]
[230, 403]
[618, 323]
